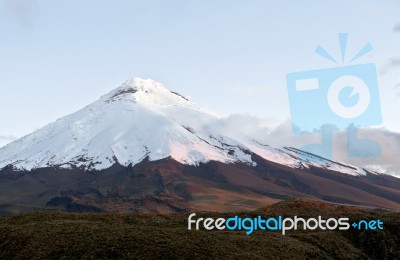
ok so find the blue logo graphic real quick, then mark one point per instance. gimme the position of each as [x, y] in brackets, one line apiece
[280, 223]
[368, 224]
[338, 98]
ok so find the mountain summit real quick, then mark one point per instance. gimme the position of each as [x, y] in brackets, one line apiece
[147, 92]
[143, 148]
[143, 119]
[139, 119]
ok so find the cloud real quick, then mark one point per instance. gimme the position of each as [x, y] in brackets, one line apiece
[245, 128]
[5, 139]
[397, 28]
[397, 88]
[389, 143]
[393, 63]
[23, 11]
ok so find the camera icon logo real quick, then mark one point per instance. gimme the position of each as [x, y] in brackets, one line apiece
[340, 96]
[343, 97]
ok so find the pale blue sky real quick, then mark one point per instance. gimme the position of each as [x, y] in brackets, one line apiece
[227, 56]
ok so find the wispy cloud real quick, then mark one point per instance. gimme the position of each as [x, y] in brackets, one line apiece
[397, 88]
[23, 11]
[397, 28]
[243, 127]
[393, 63]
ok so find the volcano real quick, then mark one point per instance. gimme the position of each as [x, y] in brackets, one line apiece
[144, 148]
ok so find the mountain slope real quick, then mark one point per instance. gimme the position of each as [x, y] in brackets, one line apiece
[169, 186]
[143, 119]
[143, 148]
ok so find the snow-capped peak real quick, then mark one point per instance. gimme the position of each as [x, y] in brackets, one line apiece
[146, 91]
[140, 119]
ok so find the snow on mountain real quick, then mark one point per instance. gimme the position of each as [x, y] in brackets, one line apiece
[143, 119]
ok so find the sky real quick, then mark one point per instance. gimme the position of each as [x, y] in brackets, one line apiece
[228, 57]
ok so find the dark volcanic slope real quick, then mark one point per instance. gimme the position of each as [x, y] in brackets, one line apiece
[168, 186]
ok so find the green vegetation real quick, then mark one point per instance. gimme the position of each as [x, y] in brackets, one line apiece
[108, 236]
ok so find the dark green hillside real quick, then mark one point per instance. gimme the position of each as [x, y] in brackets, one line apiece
[110, 236]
